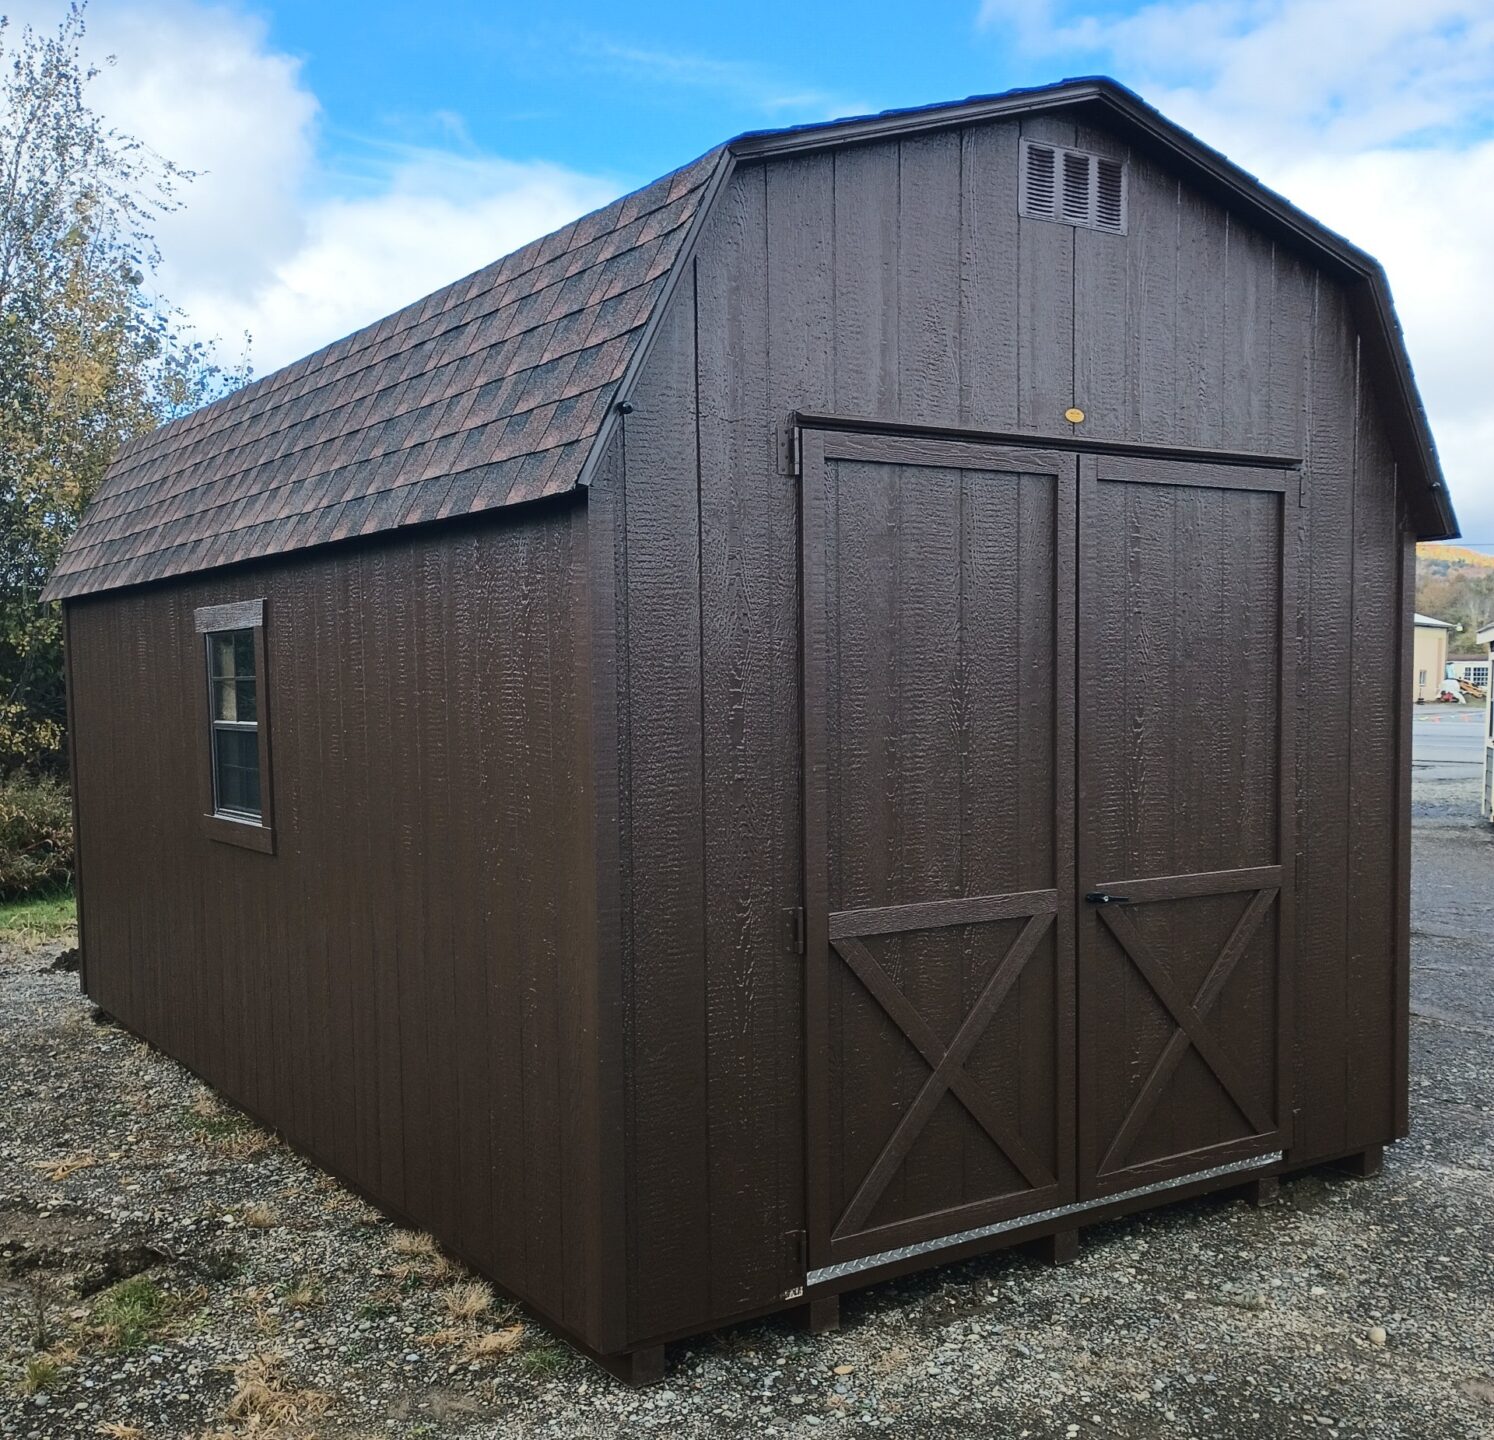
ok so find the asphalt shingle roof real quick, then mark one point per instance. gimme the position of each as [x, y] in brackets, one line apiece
[484, 394]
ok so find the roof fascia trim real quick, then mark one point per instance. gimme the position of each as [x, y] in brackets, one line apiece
[725, 164]
[758, 144]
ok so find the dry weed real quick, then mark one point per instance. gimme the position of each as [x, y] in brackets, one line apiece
[260, 1217]
[492, 1343]
[423, 1258]
[263, 1394]
[228, 1131]
[61, 1168]
[118, 1430]
[244, 1144]
[891, 1360]
[266, 1321]
[448, 1336]
[414, 1244]
[465, 1302]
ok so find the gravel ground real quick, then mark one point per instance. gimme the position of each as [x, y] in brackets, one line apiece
[168, 1270]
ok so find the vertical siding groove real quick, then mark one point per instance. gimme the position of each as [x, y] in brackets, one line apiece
[703, 779]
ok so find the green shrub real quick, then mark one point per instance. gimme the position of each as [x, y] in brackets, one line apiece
[36, 836]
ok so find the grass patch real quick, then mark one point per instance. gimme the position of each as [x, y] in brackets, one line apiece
[42, 1373]
[228, 1131]
[303, 1292]
[544, 1360]
[129, 1314]
[38, 919]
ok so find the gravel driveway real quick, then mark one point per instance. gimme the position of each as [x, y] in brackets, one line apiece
[168, 1270]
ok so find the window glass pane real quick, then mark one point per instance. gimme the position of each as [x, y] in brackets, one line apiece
[232, 653]
[234, 700]
[236, 759]
[220, 650]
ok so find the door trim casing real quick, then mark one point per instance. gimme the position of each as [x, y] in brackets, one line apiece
[1075, 443]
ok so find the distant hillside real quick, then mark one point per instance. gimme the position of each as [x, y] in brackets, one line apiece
[1456, 584]
[1432, 559]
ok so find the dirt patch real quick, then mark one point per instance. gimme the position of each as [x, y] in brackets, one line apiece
[69, 1255]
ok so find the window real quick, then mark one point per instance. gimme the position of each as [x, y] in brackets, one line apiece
[235, 759]
[235, 720]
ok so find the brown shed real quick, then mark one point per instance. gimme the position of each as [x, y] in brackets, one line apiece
[798, 727]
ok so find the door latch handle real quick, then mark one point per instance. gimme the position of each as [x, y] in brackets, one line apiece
[1104, 897]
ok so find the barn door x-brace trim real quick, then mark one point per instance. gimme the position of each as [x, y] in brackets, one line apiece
[845, 1234]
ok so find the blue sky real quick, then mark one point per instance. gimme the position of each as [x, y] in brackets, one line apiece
[635, 90]
[353, 157]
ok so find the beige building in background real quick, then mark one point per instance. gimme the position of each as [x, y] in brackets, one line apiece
[1429, 658]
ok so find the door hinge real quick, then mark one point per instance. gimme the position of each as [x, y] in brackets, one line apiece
[798, 1259]
[798, 927]
[796, 452]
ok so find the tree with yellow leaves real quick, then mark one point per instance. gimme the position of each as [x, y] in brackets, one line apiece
[89, 355]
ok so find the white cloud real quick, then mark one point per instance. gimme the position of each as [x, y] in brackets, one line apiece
[265, 243]
[438, 218]
[1373, 115]
[199, 86]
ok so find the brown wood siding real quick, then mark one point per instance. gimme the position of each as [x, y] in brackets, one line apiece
[406, 988]
[894, 280]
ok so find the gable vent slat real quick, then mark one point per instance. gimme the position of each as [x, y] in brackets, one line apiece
[1039, 177]
[1072, 187]
[1110, 195]
[1077, 207]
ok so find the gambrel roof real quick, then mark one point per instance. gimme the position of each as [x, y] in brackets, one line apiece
[487, 393]
[501, 387]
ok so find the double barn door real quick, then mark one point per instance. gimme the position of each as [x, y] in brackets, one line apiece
[1047, 831]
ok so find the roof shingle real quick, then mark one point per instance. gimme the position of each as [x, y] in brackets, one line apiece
[486, 393]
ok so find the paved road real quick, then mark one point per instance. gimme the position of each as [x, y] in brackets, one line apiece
[1447, 741]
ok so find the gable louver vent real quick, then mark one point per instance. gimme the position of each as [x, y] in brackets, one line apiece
[1073, 187]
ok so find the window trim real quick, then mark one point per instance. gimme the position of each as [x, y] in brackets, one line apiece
[241, 830]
